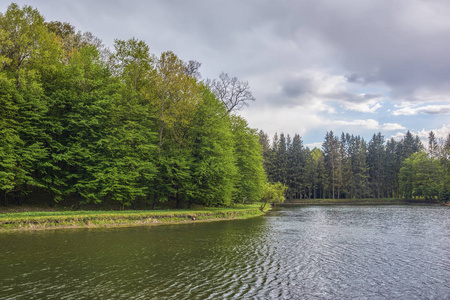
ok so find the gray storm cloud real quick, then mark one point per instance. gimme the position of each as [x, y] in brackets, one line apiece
[317, 55]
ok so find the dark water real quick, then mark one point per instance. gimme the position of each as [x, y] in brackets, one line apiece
[301, 252]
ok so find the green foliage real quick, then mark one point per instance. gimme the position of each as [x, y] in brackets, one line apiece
[421, 176]
[130, 128]
[351, 168]
[213, 161]
[80, 125]
[274, 193]
[251, 177]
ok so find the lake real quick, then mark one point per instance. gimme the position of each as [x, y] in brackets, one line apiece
[295, 252]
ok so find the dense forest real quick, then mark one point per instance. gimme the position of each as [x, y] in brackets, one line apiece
[349, 167]
[83, 124]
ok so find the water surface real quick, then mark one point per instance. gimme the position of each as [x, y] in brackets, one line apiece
[298, 252]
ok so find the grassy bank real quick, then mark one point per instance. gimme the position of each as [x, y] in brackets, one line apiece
[369, 201]
[88, 219]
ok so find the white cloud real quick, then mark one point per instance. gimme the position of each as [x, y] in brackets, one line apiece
[369, 107]
[440, 133]
[318, 88]
[370, 124]
[392, 126]
[280, 119]
[307, 62]
[427, 109]
[314, 145]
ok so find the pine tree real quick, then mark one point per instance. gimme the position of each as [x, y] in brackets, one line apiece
[331, 153]
[295, 168]
[376, 158]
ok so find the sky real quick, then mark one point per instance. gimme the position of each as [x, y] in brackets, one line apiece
[353, 66]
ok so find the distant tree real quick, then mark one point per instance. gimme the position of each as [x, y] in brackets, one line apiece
[295, 165]
[269, 155]
[433, 148]
[273, 193]
[332, 161]
[421, 176]
[410, 145]
[360, 169]
[376, 158]
[445, 161]
[392, 167]
[281, 160]
[320, 174]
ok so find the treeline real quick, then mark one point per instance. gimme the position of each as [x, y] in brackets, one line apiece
[82, 124]
[349, 167]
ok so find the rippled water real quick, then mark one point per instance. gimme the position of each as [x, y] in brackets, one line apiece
[298, 252]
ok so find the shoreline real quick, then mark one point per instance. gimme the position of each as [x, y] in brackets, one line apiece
[92, 219]
[370, 201]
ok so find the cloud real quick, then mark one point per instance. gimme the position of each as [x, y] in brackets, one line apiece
[312, 86]
[306, 61]
[369, 124]
[427, 109]
[299, 120]
[440, 133]
[367, 103]
[314, 145]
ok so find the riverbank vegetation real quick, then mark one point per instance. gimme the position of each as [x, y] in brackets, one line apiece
[90, 219]
[81, 124]
[351, 168]
[357, 201]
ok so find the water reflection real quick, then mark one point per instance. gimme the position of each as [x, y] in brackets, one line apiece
[324, 252]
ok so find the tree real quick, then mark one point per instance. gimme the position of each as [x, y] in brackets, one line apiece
[360, 169]
[295, 165]
[445, 161]
[331, 153]
[410, 145]
[392, 167]
[71, 41]
[213, 166]
[376, 157]
[249, 161]
[279, 173]
[421, 176]
[11, 173]
[433, 148]
[191, 69]
[320, 175]
[28, 53]
[234, 93]
[80, 112]
[26, 44]
[129, 168]
[273, 193]
[175, 96]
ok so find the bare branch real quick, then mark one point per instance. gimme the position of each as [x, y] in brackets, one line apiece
[233, 93]
[191, 69]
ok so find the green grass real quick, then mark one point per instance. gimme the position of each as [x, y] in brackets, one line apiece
[64, 219]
